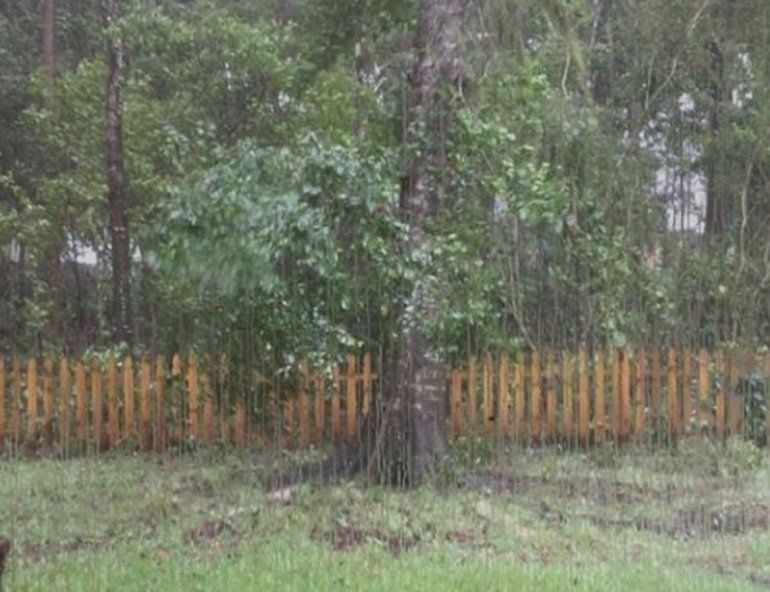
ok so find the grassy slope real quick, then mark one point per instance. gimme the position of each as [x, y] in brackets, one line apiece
[691, 520]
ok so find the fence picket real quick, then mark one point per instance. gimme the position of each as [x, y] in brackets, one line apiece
[600, 409]
[304, 404]
[145, 422]
[48, 409]
[655, 392]
[455, 403]
[734, 398]
[113, 427]
[672, 396]
[320, 407]
[704, 391]
[687, 408]
[486, 402]
[335, 411]
[64, 405]
[719, 404]
[472, 402]
[128, 399]
[160, 404]
[97, 416]
[31, 392]
[208, 410]
[2, 405]
[504, 399]
[192, 397]
[566, 385]
[583, 402]
[16, 403]
[640, 390]
[550, 396]
[624, 411]
[351, 413]
[518, 393]
[519, 399]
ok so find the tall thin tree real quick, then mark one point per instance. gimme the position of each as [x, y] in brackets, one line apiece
[121, 314]
[412, 428]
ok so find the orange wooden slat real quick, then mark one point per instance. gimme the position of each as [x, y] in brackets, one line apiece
[240, 423]
[455, 397]
[615, 393]
[351, 407]
[48, 405]
[160, 405]
[566, 393]
[177, 398]
[519, 400]
[192, 397]
[472, 401]
[145, 419]
[113, 422]
[367, 386]
[600, 410]
[624, 412]
[688, 420]
[766, 373]
[335, 410]
[734, 398]
[16, 402]
[304, 404]
[486, 401]
[504, 400]
[97, 415]
[208, 410]
[64, 406]
[2, 405]
[128, 398]
[583, 402]
[672, 395]
[81, 404]
[640, 395]
[536, 391]
[719, 404]
[550, 396]
[289, 423]
[32, 411]
[704, 390]
[655, 388]
[320, 407]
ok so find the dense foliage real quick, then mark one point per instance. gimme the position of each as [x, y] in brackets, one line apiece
[606, 181]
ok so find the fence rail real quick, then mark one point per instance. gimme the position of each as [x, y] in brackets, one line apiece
[649, 396]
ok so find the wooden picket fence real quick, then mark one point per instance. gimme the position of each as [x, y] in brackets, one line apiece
[645, 395]
[64, 407]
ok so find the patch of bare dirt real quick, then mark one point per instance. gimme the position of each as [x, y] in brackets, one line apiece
[38, 552]
[346, 538]
[697, 521]
[209, 531]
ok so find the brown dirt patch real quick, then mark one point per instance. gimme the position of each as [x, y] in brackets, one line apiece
[209, 531]
[346, 538]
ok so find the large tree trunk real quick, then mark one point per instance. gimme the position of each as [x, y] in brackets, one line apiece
[51, 264]
[121, 317]
[600, 73]
[47, 37]
[715, 189]
[411, 434]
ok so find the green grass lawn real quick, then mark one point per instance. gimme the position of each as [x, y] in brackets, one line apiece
[691, 519]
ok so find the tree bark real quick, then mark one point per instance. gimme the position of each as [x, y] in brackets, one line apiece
[599, 76]
[122, 316]
[48, 37]
[412, 432]
[715, 188]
